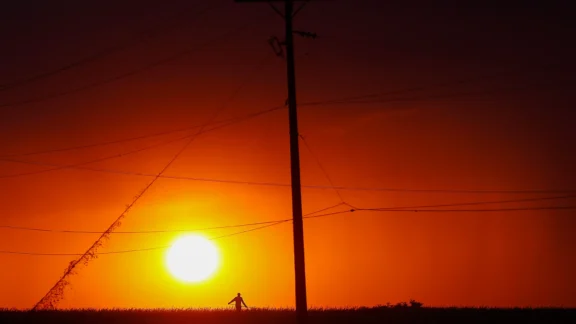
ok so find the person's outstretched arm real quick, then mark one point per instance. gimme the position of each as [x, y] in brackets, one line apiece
[231, 301]
[244, 303]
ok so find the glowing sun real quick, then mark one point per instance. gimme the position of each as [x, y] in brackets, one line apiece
[192, 258]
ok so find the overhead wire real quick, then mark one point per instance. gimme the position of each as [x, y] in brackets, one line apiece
[416, 89]
[325, 102]
[168, 132]
[140, 249]
[215, 116]
[80, 166]
[142, 69]
[316, 187]
[476, 203]
[142, 36]
[470, 210]
[138, 232]
[105, 158]
[381, 209]
[533, 87]
[322, 168]
[85, 146]
[264, 225]
[159, 231]
[287, 220]
[118, 155]
[311, 216]
[345, 100]
[111, 142]
[55, 294]
[354, 208]
[324, 209]
[302, 5]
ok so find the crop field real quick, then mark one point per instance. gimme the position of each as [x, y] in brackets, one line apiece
[388, 315]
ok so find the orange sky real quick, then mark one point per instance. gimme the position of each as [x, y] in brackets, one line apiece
[493, 142]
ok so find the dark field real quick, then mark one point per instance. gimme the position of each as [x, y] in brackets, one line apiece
[387, 315]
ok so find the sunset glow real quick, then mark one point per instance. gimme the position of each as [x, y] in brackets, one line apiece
[146, 158]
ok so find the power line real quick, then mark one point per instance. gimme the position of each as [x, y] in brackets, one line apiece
[325, 209]
[81, 164]
[469, 210]
[127, 74]
[387, 209]
[104, 143]
[416, 89]
[274, 223]
[137, 232]
[411, 208]
[317, 187]
[117, 141]
[302, 5]
[80, 147]
[144, 35]
[85, 146]
[61, 167]
[322, 168]
[55, 294]
[264, 225]
[158, 231]
[341, 100]
[326, 102]
[533, 87]
[475, 203]
[345, 100]
[140, 250]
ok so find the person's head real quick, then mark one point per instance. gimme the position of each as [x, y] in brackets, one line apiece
[238, 294]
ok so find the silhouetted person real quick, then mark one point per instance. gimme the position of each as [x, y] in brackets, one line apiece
[239, 302]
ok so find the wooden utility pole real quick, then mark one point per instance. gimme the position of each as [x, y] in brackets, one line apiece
[299, 264]
[297, 222]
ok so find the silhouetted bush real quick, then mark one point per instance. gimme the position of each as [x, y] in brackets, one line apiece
[415, 304]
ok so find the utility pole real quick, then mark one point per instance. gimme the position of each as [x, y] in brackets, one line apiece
[298, 228]
[297, 222]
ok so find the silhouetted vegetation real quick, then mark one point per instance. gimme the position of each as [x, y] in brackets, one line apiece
[406, 313]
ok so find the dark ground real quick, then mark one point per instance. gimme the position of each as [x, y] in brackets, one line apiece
[387, 315]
